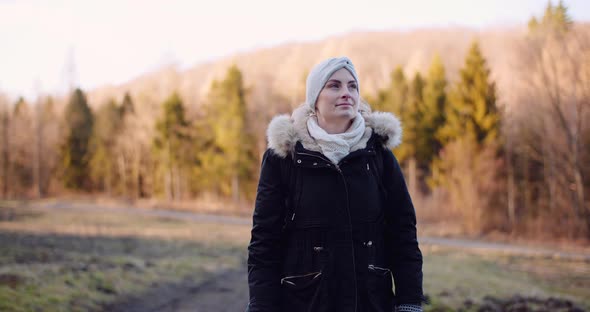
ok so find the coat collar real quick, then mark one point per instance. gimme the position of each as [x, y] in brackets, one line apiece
[285, 131]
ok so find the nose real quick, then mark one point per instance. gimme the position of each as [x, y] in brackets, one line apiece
[346, 93]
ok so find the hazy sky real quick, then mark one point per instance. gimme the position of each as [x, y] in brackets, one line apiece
[114, 41]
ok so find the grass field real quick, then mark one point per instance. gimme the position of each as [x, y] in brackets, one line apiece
[67, 260]
[79, 261]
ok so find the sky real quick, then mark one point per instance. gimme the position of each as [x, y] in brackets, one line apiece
[46, 45]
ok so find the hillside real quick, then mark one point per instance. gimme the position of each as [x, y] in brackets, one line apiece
[279, 72]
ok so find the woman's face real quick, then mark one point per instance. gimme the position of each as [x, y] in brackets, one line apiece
[338, 100]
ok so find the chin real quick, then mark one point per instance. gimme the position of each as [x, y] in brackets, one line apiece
[348, 115]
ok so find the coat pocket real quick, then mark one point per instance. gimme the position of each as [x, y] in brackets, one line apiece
[380, 289]
[300, 292]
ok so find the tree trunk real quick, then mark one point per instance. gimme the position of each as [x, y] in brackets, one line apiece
[37, 152]
[136, 176]
[579, 190]
[549, 176]
[176, 180]
[122, 174]
[526, 185]
[412, 176]
[168, 184]
[511, 191]
[236, 188]
[5, 155]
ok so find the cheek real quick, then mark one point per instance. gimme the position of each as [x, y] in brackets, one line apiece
[325, 101]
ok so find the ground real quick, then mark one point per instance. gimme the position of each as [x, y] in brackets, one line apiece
[57, 256]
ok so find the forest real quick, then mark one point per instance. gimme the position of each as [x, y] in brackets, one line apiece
[513, 162]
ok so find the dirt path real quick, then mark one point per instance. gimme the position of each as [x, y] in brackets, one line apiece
[225, 292]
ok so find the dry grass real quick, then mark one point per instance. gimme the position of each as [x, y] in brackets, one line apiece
[455, 279]
[66, 260]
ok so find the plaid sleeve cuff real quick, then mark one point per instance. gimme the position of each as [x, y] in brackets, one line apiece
[408, 308]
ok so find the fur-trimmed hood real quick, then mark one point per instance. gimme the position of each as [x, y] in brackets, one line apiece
[284, 131]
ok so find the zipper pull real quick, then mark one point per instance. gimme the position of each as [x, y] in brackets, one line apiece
[293, 217]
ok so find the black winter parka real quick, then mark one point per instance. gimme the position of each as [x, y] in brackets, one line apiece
[329, 237]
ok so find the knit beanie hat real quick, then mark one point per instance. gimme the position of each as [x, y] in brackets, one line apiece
[320, 74]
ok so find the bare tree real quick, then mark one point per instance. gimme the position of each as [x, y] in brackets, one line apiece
[4, 144]
[554, 102]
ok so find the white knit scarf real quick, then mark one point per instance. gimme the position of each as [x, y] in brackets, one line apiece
[337, 146]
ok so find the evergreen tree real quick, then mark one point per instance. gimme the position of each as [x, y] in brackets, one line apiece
[472, 106]
[394, 97]
[533, 24]
[127, 107]
[432, 116]
[468, 164]
[48, 147]
[22, 147]
[79, 122]
[562, 20]
[232, 141]
[399, 90]
[170, 144]
[410, 115]
[105, 131]
[555, 20]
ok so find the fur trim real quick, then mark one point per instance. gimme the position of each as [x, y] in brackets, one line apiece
[283, 131]
[281, 135]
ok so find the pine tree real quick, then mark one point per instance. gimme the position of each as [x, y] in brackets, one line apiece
[170, 144]
[472, 106]
[48, 144]
[562, 20]
[22, 146]
[409, 113]
[432, 116]
[79, 122]
[127, 107]
[232, 140]
[394, 97]
[105, 131]
[468, 166]
[555, 20]
[533, 24]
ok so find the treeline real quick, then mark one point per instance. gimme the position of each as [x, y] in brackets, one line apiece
[518, 166]
[116, 151]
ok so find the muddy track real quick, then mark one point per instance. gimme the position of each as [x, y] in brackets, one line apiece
[222, 292]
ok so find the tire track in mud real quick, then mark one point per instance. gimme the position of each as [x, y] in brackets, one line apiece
[223, 292]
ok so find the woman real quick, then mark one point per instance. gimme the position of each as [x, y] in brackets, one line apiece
[333, 222]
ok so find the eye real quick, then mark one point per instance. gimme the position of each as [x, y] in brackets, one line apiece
[333, 85]
[352, 86]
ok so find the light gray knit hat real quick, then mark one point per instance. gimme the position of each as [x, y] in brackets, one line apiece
[320, 74]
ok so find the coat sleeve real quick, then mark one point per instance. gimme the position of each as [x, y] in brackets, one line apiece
[404, 255]
[264, 250]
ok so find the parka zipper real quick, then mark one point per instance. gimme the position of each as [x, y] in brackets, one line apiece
[351, 239]
[349, 223]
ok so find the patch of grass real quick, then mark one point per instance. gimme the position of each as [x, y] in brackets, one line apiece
[458, 280]
[79, 261]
